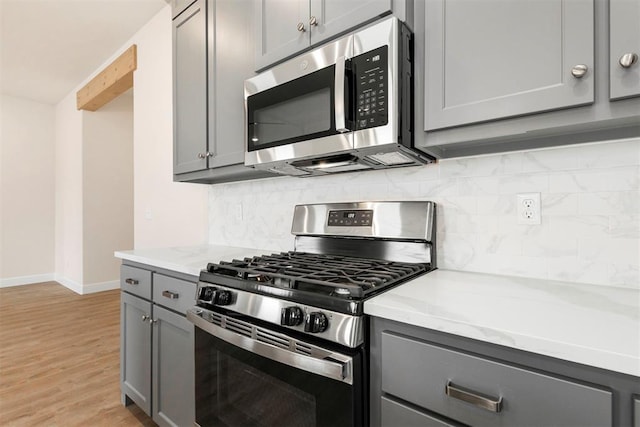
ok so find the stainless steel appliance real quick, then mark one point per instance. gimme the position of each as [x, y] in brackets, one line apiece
[345, 106]
[281, 339]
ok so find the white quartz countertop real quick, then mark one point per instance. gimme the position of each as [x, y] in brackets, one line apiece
[593, 325]
[189, 260]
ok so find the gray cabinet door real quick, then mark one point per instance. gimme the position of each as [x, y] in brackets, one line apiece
[277, 35]
[231, 26]
[135, 350]
[173, 369]
[336, 16]
[624, 38]
[500, 58]
[190, 89]
[419, 372]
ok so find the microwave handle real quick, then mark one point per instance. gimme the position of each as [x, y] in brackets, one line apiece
[341, 125]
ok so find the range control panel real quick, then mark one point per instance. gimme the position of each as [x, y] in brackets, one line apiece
[350, 218]
[371, 88]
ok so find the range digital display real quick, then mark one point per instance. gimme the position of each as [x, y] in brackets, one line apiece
[350, 218]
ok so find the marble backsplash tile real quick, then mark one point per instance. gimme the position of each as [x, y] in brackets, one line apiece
[590, 197]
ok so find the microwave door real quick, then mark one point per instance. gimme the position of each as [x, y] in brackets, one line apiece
[305, 117]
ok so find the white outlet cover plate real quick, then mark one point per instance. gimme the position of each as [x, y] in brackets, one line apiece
[528, 208]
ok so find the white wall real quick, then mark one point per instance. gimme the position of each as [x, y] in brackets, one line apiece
[107, 193]
[590, 231]
[165, 213]
[68, 195]
[26, 191]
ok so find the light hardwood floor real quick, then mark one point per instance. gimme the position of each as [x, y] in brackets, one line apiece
[60, 359]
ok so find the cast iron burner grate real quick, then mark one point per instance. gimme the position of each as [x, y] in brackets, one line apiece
[339, 276]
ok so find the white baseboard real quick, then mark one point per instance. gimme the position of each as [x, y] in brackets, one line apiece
[99, 287]
[76, 287]
[27, 280]
[68, 283]
[89, 288]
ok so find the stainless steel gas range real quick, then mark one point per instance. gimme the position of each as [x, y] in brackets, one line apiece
[281, 339]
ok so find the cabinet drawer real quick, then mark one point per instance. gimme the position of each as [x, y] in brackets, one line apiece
[136, 281]
[176, 294]
[419, 373]
[395, 414]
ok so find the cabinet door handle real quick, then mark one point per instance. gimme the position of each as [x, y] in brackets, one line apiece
[628, 59]
[578, 71]
[170, 295]
[301, 27]
[131, 281]
[145, 317]
[313, 21]
[477, 399]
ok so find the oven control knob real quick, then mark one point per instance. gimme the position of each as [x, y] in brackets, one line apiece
[291, 316]
[222, 298]
[315, 322]
[206, 294]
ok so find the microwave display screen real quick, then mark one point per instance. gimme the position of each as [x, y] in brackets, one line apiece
[371, 88]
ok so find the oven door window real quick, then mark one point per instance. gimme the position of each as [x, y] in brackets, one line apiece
[235, 387]
[298, 110]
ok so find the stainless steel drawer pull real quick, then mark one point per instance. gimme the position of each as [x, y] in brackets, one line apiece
[131, 281]
[473, 397]
[170, 295]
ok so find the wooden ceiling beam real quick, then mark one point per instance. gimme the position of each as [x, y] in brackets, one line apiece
[110, 83]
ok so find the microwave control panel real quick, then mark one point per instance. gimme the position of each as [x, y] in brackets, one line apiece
[371, 78]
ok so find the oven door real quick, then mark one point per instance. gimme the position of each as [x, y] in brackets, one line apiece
[247, 375]
[301, 108]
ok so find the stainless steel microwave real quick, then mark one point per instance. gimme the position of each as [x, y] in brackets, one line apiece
[345, 106]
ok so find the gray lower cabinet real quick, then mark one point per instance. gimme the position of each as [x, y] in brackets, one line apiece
[636, 412]
[212, 56]
[135, 351]
[173, 369]
[421, 377]
[157, 344]
[285, 28]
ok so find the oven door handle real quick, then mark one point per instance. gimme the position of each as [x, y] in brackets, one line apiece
[340, 104]
[331, 365]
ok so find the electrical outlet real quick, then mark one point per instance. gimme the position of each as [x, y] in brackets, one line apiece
[528, 208]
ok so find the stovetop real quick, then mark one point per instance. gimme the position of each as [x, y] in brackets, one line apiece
[334, 282]
[340, 276]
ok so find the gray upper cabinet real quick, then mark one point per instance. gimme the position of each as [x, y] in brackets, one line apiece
[286, 27]
[212, 45]
[178, 6]
[497, 75]
[498, 58]
[624, 48]
[190, 89]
